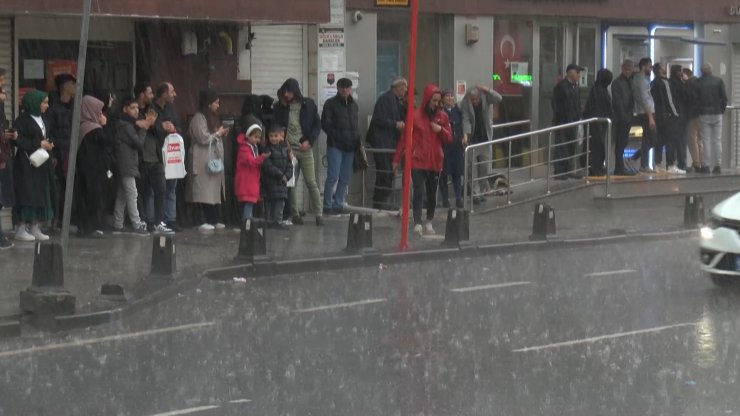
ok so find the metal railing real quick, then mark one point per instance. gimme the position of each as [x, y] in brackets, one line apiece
[556, 152]
[734, 113]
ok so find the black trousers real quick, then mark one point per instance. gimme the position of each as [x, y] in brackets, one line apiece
[383, 181]
[597, 149]
[210, 214]
[424, 183]
[564, 153]
[621, 138]
[668, 131]
[648, 140]
[154, 179]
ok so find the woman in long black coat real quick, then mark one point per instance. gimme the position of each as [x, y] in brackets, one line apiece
[33, 185]
[599, 104]
[94, 168]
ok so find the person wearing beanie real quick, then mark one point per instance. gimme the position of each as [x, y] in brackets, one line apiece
[339, 121]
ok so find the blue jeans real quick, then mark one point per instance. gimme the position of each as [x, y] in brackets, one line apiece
[247, 211]
[170, 203]
[338, 174]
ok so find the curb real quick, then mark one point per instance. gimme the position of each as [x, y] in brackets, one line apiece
[339, 262]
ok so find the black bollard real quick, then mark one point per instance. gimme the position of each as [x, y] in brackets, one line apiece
[693, 213]
[360, 232]
[253, 240]
[543, 223]
[163, 256]
[47, 295]
[457, 229]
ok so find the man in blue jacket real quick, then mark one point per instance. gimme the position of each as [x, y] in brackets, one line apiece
[301, 117]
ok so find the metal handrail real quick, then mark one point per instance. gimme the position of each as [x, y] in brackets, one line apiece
[469, 174]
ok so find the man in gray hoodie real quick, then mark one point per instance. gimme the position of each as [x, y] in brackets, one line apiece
[478, 128]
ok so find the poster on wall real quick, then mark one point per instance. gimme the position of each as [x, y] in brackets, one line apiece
[33, 69]
[329, 85]
[355, 78]
[331, 38]
[56, 67]
[461, 88]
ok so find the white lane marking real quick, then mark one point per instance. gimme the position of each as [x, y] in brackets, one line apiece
[187, 411]
[240, 401]
[487, 287]
[340, 305]
[112, 338]
[612, 273]
[606, 337]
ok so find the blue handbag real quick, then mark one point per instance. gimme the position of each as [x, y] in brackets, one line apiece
[215, 164]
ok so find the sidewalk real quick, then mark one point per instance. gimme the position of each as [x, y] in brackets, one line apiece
[126, 259]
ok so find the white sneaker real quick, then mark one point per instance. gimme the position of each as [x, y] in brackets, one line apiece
[418, 230]
[659, 169]
[676, 171]
[428, 229]
[22, 234]
[161, 228]
[206, 227]
[220, 226]
[36, 233]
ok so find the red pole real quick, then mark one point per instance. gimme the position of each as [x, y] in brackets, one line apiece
[408, 133]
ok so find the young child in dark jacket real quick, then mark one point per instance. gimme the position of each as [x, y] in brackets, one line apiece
[276, 172]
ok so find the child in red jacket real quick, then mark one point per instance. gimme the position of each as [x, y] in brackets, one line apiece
[248, 163]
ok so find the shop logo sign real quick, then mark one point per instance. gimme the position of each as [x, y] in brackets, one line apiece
[735, 11]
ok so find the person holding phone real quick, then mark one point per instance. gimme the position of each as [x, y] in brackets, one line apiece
[33, 184]
[206, 182]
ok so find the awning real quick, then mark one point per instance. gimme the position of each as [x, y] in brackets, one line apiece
[685, 39]
[277, 11]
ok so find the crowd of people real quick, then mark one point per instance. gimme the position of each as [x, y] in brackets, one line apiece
[132, 153]
[679, 114]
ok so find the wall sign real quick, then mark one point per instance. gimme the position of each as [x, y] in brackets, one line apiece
[735, 10]
[392, 3]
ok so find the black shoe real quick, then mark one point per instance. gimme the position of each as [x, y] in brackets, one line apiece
[716, 171]
[459, 203]
[5, 244]
[319, 221]
[576, 176]
[705, 170]
[297, 220]
[174, 227]
[330, 212]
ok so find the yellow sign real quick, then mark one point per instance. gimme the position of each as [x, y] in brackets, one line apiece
[392, 3]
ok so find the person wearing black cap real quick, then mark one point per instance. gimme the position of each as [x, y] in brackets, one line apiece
[339, 121]
[59, 116]
[566, 106]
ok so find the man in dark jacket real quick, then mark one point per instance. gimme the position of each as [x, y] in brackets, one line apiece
[666, 120]
[386, 127]
[59, 116]
[299, 115]
[623, 105]
[130, 139]
[696, 146]
[167, 123]
[339, 121]
[680, 93]
[566, 106]
[712, 102]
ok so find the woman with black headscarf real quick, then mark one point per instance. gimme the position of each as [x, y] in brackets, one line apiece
[206, 179]
[599, 104]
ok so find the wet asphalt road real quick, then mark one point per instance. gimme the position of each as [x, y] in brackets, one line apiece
[630, 329]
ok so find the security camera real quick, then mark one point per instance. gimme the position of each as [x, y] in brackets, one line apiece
[357, 16]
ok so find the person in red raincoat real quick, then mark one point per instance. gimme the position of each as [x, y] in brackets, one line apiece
[248, 164]
[430, 132]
